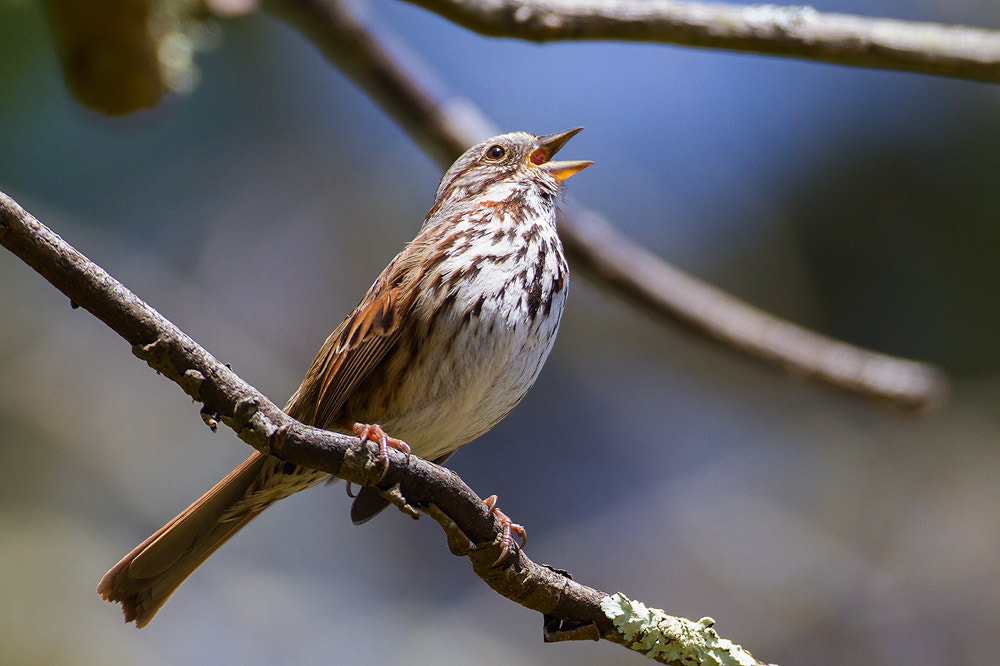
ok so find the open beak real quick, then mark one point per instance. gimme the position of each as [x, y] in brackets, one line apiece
[548, 146]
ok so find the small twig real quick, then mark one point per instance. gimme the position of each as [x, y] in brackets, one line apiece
[793, 31]
[445, 125]
[471, 527]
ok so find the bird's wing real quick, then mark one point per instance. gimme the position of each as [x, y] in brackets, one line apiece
[357, 345]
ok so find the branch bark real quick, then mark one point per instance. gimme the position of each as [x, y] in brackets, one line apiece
[445, 125]
[414, 485]
[798, 32]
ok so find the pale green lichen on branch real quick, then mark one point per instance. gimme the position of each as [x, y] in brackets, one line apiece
[673, 639]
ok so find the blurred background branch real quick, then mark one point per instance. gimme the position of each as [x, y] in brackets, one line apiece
[793, 31]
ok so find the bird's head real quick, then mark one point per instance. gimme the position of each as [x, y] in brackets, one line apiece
[516, 159]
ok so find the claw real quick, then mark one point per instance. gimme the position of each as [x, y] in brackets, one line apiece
[373, 432]
[509, 527]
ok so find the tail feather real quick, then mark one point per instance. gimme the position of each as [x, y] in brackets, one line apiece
[145, 578]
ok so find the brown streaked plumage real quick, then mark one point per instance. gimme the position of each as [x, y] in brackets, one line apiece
[445, 343]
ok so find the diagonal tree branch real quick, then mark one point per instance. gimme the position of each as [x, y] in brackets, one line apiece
[445, 125]
[572, 610]
[798, 32]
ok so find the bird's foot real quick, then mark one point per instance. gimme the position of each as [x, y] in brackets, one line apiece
[509, 528]
[374, 433]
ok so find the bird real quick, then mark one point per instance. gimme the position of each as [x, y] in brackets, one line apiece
[445, 343]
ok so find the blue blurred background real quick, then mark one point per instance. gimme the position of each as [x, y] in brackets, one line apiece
[256, 210]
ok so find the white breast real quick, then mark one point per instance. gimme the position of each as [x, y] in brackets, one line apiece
[496, 329]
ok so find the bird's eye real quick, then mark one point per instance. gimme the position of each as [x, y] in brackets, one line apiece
[495, 152]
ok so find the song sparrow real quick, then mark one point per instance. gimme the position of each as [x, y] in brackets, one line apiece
[446, 342]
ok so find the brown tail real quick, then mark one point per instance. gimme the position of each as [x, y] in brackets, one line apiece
[145, 578]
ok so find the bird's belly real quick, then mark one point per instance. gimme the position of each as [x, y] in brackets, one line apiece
[470, 371]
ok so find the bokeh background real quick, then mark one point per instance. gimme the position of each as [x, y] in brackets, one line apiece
[253, 212]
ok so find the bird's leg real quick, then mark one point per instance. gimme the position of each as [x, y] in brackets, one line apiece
[509, 527]
[373, 432]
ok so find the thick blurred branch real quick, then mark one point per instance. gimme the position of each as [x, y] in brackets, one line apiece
[413, 484]
[445, 125]
[798, 32]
